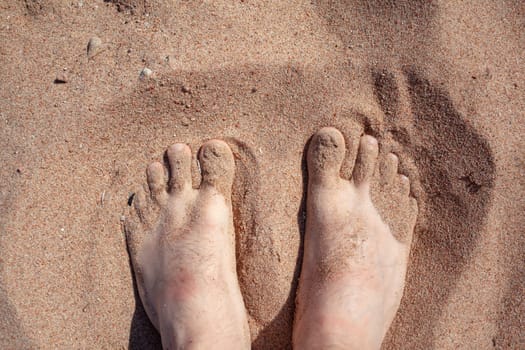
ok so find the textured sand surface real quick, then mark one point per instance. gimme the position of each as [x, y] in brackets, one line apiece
[440, 83]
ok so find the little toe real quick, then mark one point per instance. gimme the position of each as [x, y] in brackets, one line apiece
[406, 234]
[140, 217]
[325, 155]
[179, 159]
[156, 182]
[217, 166]
[139, 203]
[403, 185]
[388, 168]
[366, 160]
[134, 237]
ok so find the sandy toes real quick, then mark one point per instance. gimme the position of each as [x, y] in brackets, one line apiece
[354, 267]
[181, 242]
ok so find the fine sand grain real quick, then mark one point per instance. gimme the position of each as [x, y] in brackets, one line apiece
[439, 83]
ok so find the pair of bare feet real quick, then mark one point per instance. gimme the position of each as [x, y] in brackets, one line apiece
[182, 246]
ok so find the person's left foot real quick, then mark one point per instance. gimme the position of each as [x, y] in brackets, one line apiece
[182, 248]
[354, 263]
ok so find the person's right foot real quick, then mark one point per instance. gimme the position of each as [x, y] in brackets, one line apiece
[353, 268]
[182, 246]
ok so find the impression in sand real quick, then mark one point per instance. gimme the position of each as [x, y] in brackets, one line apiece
[417, 121]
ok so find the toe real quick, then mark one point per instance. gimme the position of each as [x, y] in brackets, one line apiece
[139, 203]
[388, 168]
[135, 222]
[217, 166]
[325, 155]
[134, 237]
[179, 159]
[366, 160]
[403, 185]
[156, 182]
[407, 233]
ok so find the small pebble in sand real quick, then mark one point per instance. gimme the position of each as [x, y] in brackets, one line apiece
[185, 121]
[145, 73]
[94, 46]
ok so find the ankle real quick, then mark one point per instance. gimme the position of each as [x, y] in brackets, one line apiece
[204, 336]
[335, 332]
[183, 328]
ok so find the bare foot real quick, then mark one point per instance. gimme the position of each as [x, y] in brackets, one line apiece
[353, 268]
[182, 246]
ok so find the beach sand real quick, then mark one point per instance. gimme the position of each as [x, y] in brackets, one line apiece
[439, 83]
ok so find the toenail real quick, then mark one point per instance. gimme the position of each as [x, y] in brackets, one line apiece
[371, 140]
[179, 147]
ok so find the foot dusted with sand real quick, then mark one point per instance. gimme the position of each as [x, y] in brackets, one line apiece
[182, 247]
[354, 268]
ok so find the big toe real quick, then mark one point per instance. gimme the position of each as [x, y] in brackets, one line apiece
[366, 160]
[179, 159]
[325, 155]
[217, 166]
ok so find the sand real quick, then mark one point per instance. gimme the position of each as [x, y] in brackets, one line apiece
[439, 83]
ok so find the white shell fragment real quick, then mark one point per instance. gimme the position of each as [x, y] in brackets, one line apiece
[145, 73]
